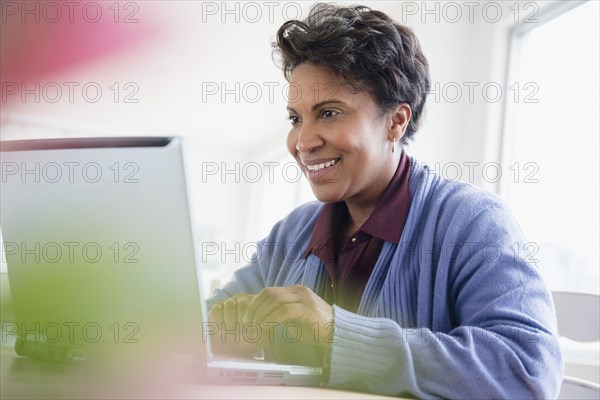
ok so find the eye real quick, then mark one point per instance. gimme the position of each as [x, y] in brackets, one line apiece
[328, 113]
[294, 119]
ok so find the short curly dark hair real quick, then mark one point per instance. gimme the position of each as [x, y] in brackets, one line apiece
[366, 48]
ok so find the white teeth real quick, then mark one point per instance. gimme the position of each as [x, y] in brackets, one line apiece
[317, 167]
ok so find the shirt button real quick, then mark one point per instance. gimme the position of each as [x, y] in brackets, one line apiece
[353, 240]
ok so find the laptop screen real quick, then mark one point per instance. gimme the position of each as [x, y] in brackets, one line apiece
[99, 244]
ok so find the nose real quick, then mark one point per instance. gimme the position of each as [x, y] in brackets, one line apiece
[308, 138]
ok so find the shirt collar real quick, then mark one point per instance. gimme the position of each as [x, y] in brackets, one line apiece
[387, 220]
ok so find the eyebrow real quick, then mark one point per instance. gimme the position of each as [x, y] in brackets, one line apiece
[320, 104]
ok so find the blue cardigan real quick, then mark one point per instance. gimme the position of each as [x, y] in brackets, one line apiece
[457, 309]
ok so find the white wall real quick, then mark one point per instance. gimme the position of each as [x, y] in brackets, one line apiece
[171, 67]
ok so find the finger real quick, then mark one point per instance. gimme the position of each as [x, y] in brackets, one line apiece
[243, 296]
[266, 296]
[243, 300]
[216, 313]
[270, 299]
[276, 312]
[242, 306]
[248, 330]
[230, 316]
[254, 304]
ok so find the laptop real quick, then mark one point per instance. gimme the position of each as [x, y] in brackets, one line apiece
[103, 259]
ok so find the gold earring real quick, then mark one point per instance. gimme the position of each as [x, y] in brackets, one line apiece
[394, 145]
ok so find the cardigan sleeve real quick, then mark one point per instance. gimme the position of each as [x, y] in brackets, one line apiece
[250, 278]
[275, 255]
[503, 341]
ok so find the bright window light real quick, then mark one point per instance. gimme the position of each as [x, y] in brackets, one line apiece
[553, 178]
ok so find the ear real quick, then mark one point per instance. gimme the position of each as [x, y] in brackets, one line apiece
[399, 117]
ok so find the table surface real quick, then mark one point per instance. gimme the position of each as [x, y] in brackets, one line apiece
[23, 377]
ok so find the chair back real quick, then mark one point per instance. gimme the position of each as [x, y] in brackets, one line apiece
[579, 389]
[578, 315]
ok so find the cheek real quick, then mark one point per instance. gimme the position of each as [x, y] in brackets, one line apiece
[367, 152]
[372, 144]
[348, 141]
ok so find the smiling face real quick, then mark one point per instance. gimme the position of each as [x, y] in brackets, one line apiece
[340, 138]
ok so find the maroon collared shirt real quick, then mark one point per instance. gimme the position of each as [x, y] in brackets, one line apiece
[349, 264]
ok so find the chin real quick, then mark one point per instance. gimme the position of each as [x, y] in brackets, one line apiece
[326, 196]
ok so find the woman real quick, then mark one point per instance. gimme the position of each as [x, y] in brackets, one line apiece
[398, 281]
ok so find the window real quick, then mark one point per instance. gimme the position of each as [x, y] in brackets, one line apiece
[551, 144]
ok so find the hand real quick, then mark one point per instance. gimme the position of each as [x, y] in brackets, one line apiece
[226, 315]
[299, 304]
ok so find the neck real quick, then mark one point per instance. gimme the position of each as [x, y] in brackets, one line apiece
[359, 214]
[361, 209]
